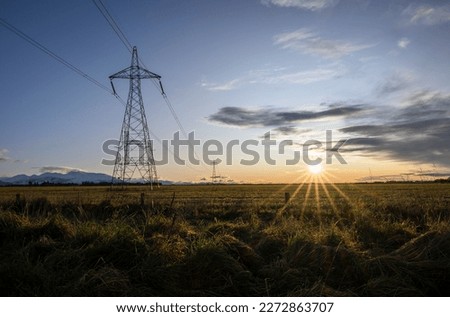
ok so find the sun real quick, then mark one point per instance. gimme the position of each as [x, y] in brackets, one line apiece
[315, 169]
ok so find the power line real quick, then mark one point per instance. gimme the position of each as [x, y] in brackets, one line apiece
[174, 114]
[68, 65]
[114, 25]
[108, 17]
[159, 87]
[58, 58]
[52, 54]
[116, 28]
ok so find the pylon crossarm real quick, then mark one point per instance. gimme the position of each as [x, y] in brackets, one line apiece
[146, 74]
[134, 72]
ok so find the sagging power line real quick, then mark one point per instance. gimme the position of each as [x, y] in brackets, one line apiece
[114, 25]
[83, 74]
[69, 65]
[156, 80]
[122, 37]
[53, 55]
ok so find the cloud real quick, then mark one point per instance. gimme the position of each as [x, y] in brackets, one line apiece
[57, 169]
[397, 81]
[312, 5]
[290, 130]
[305, 77]
[417, 132]
[409, 129]
[5, 158]
[4, 155]
[425, 105]
[403, 42]
[279, 76]
[230, 85]
[433, 174]
[308, 42]
[427, 14]
[267, 117]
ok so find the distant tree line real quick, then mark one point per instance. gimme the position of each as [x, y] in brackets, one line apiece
[442, 180]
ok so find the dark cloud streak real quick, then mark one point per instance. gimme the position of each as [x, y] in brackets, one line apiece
[242, 117]
[418, 132]
[289, 130]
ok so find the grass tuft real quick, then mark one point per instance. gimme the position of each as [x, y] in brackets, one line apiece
[376, 240]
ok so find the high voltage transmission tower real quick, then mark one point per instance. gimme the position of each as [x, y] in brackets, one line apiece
[135, 150]
[214, 176]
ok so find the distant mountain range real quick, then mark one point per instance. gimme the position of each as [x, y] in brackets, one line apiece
[73, 177]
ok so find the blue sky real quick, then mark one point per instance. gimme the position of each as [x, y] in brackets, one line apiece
[230, 68]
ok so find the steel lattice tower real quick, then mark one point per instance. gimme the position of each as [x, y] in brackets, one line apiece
[135, 150]
[214, 176]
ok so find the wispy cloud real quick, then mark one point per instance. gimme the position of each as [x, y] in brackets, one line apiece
[305, 77]
[403, 42]
[4, 155]
[425, 105]
[308, 42]
[312, 5]
[395, 82]
[57, 169]
[279, 76]
[427, 14]
[229, 85]
[416, 132]
[269, 117]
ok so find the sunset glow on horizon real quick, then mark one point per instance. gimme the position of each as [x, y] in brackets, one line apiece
[361, 81]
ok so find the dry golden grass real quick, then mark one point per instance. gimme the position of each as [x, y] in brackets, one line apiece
[233, 240]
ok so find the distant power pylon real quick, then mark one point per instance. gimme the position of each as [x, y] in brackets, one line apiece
[135, 150]
[214, 176]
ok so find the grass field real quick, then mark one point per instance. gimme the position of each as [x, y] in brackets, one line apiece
[226, 240]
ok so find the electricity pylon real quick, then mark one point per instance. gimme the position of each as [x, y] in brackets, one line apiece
[135, 150]
[214, 176]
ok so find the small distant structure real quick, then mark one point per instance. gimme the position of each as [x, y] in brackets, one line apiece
[214, 176]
